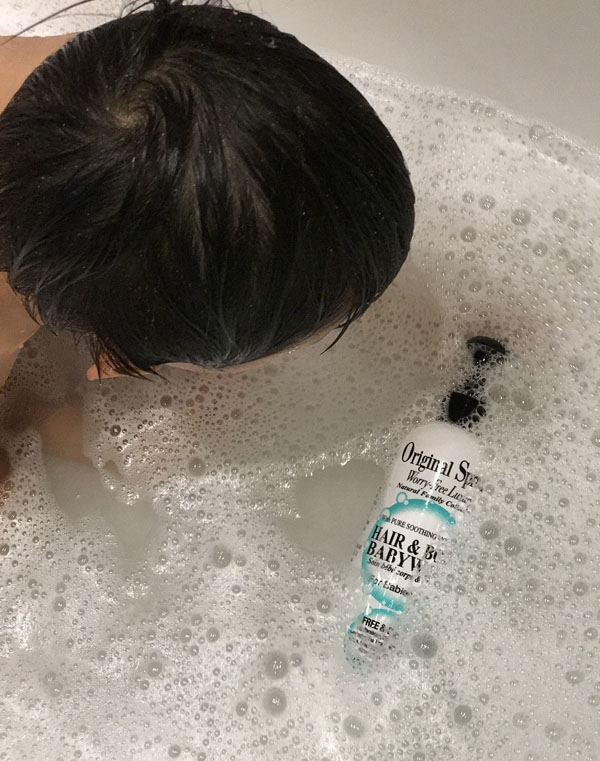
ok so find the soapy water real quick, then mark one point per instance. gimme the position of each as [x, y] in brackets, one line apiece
[188, 597]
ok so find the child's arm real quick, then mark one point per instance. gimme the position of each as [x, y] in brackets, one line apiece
[60, 427]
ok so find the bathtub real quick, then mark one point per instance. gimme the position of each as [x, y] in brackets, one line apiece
[195, 606]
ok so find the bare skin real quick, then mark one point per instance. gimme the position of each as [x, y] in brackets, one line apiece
[20, 56]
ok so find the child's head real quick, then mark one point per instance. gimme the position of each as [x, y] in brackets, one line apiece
[189, 184]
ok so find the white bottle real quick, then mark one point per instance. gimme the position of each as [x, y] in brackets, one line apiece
[432, 484]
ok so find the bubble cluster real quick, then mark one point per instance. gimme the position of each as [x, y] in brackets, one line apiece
[191, 588]
[424, 645]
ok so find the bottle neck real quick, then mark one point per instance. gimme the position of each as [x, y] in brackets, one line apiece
[465, 405]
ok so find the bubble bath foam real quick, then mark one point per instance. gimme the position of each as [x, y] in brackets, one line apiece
[187, 596]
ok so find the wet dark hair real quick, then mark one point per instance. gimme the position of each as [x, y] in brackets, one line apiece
[187, 183]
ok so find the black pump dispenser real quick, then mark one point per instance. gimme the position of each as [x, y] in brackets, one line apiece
[465, 405]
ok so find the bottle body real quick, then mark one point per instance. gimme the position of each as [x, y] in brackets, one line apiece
[432, 483]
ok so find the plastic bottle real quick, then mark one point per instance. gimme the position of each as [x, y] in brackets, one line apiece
[432, 483]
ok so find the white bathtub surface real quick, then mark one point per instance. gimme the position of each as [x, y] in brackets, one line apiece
[195, 607]
[540, 58]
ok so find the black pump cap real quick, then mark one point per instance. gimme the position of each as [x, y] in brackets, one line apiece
[466, 404]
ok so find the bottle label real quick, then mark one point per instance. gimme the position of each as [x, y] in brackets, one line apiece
[437, 463]
[405, 537]
[433, 482]
[370, 635]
